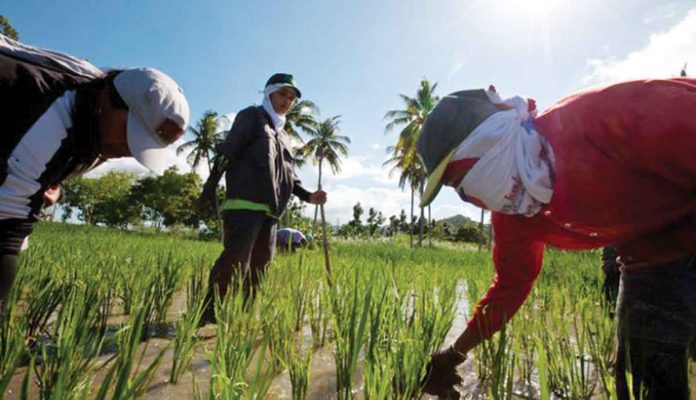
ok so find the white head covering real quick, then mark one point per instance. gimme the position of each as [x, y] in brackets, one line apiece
[513, 173]
[278, 120]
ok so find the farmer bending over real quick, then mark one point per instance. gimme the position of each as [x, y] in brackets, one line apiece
[62, 117]
[290, 239]
[258, 163]
[614, 165]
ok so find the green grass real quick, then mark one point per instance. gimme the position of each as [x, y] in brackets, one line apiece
[88, 300]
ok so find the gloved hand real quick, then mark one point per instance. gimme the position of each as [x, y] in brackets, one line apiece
[441, 375]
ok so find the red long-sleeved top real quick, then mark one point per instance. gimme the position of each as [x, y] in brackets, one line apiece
[625, 175]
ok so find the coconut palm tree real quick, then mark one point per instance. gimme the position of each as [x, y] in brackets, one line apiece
[325, 144]
[301, 118]
[411, 173]
[411, 119]
[7, 29]
[206, 135]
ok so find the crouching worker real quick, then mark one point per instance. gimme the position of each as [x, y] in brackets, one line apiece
[290, 239]
[257, 160]
[62, 117]
[608, 166]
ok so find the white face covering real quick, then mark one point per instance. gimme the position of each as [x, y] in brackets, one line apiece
[278, 120]
[514, 167]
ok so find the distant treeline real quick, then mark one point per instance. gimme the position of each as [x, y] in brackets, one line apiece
[125, 200]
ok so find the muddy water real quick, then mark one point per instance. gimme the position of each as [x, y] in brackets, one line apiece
[322, 383]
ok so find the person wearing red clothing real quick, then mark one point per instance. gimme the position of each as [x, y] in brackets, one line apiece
[610, 166]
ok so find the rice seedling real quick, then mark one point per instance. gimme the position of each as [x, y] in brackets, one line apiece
[387, 310]
[499, 351]
[300, 359]
[319, 315]
[379, 378]
[12, 346]
[185, 336]
[350, 318]
[282, 307]
[126, 384]
[260, 381]
[164, 286]
[67, 357]
[601, 341]
[237, 330]
[544, 392]
[41, 306]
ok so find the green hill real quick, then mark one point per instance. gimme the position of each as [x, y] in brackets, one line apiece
[459, 220]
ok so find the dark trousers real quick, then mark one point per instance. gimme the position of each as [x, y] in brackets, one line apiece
[656, 322]
[612, 276]
[12, 234]
[249, 245]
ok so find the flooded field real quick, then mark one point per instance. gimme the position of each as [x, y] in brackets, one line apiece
[117, 317]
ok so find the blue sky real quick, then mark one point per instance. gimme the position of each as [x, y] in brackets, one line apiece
[354, 57]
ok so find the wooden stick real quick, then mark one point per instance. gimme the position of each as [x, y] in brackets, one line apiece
[327, 255]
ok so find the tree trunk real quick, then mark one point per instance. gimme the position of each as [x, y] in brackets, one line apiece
[410, 225]
[421, 226]
[430, 228]
[420, 220]
[490, 232]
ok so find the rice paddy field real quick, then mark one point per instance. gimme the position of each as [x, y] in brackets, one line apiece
[105, 314]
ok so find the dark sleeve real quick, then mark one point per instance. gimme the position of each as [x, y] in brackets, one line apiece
[219, 165]
[298, 190]
[240, 135]
[236, 141]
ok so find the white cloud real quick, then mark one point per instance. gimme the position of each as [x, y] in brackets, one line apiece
[130, 164]
[353, 167]
[375, 146]
[224, 121]
[366, 181]
[342, 198]
[662, 13]
[662, 57]
[362, 167]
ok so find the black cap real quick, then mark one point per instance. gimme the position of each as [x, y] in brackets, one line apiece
[284, 79]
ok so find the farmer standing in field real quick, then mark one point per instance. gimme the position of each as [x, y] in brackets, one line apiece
[62, 117]
[257, 160]
[614, 165]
